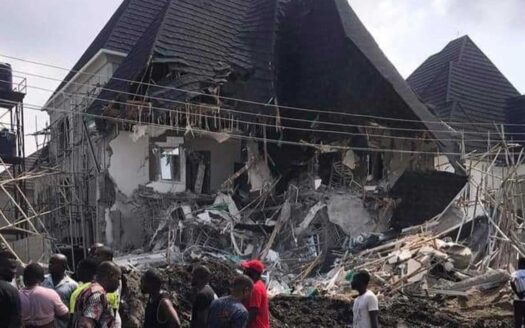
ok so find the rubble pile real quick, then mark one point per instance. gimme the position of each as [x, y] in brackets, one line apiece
[481, 309]
[432, 270]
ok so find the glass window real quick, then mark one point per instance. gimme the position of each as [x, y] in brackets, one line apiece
[169, 164]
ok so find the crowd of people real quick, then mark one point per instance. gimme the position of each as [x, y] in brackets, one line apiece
[92, 299]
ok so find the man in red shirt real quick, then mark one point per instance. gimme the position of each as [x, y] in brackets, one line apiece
[258, 306]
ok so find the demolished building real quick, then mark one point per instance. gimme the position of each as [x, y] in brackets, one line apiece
[257, 120]
[464, 88]
[207, 132]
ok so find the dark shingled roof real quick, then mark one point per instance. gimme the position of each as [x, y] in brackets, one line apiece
[203, 40]
[463, 85]
[121, 32]
[199, 43]
[515, 118]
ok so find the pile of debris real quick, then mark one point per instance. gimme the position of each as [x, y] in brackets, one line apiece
[431, 267]
[482, 308]
[311, 261]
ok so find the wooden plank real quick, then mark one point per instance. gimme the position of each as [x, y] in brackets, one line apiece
[199, 180]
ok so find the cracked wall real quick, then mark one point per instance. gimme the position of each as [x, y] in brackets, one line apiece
[129, 168]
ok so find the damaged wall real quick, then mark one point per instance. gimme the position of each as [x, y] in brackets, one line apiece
[480, 183]
[223, 157]
[397, 163]
[349, 213]
[129, 168]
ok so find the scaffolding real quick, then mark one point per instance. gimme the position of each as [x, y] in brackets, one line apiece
[72, 192]
[60, 207]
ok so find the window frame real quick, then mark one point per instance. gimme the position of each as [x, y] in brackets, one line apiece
[175, 177]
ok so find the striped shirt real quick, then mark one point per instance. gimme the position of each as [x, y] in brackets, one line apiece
[92, 303]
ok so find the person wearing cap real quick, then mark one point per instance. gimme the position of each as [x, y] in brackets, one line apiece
[258, 306]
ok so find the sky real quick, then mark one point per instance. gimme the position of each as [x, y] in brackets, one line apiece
[58, 31]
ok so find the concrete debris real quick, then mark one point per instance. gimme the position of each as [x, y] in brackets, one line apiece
[491, 279]
[349, 213]
[309, 218]
[317, 226]
[259, 174]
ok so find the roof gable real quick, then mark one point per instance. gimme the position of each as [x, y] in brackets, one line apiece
[204, 42]
[465, 87]
[462, 72]
[197, 45]
[121, 32]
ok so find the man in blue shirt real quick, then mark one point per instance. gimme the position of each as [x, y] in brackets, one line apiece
[58, 280]
[229, 311]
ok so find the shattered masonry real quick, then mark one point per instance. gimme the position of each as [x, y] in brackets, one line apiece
[205, 158]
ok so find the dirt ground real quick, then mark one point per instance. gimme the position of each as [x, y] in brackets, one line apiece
[480, 311]
[310, 312]
[400, 313]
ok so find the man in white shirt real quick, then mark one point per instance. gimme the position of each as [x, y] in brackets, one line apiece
[366, 306]
[517, 283]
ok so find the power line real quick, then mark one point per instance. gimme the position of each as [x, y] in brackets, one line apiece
[263, 115]
[269, 125]
[228, 109]
[234, 99]
[243, 137]
[82, 96]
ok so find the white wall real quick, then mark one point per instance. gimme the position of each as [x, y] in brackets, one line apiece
[223, 157]
[129, 168]
[98, 71]
[478, 177]
[129, 165]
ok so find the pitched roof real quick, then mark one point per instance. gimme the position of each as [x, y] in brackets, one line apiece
[205, 41]
[463, 85]
[359, 35]
[121, 32]
[332, 62]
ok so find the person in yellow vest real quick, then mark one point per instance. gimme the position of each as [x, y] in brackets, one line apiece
[103, 254]
[86, 271]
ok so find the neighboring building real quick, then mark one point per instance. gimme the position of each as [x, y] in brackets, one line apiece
[182, 130]
[465, 89]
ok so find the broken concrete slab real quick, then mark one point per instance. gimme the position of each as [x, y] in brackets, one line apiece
[349, 213]
[488, 280]
[312, 213]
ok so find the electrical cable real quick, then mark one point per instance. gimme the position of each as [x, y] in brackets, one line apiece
[243, 137]
[272, 116]
[82, 96]
[231, 98]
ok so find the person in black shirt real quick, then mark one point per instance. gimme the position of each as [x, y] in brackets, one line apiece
[203, 295]
[160, 312]
[9, 299]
